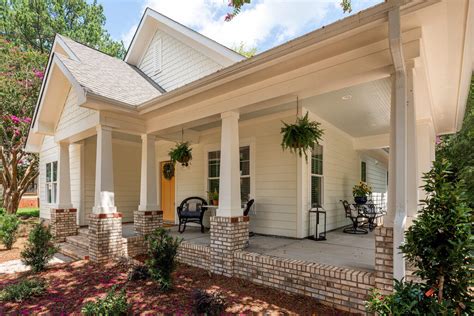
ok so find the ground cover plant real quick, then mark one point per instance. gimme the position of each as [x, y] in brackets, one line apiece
[23, 290]
[114, 303]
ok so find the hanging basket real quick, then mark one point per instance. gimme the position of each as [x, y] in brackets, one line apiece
[168, 170]
[301, 136]
[181, 153]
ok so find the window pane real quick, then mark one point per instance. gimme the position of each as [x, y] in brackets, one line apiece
[245, 168]
[363, 171]
[317, 160]
[48, 172]
[213, 185]
[55, 171]
[214, 169]
[48, 193]
[55, 191]
[214, 155]
[244, 153]
[316, 190]
[244, 189]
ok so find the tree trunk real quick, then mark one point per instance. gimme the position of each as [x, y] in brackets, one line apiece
[11, 202]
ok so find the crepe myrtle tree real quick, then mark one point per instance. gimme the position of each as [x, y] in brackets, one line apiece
[20, 80]
[238, 4]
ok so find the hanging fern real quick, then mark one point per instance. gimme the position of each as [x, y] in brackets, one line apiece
[301, 136]
[181, 153]
[168, 170]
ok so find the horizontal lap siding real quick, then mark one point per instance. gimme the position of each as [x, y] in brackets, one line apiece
[72, 113]
[181, 63]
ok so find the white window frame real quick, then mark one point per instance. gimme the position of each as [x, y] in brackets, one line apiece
[51, 185]
[311, 175]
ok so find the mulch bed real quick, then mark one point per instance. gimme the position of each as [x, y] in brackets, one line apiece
[71, 285]
[14, 253]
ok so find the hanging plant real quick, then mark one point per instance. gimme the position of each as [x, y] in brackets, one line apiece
[301, 136]
[168, 170]
[181, 153]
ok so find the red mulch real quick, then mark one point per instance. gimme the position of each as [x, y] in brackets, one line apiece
[71, 285]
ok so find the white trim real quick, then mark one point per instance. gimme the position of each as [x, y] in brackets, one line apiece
[310, 176]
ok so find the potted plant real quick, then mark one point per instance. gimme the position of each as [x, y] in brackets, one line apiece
[301, 136]
[213, 197]
[360, 192]
[181, 153]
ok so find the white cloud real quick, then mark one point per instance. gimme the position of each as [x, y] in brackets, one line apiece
[266, 22]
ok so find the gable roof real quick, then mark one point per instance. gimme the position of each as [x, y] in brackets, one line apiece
[106, 76]
[152, 20]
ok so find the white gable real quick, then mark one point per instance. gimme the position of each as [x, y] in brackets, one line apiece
[172, 63]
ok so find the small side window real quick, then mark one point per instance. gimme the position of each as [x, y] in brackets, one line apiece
[363, 171]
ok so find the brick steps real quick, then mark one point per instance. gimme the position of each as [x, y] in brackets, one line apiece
[79, 241]
[83, 232]
[73, 251]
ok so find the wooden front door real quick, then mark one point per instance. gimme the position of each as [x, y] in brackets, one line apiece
[167, 196]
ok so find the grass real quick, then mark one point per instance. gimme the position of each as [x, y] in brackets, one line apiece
[24, 212]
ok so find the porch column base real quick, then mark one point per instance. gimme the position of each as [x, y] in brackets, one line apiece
[228, 234]
[63, 223]
[146, 222]
[384, 259]
[105, 237]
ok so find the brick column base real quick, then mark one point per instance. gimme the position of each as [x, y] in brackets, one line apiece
[63, 223]
[146, 222]
[105, 237]
[228, 234]
[384, 259]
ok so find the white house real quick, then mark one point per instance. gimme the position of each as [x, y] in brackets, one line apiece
[383, 83]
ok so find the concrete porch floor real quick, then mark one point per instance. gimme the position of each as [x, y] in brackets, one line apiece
[340, 249]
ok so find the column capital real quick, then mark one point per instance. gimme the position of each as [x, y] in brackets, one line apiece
[148, 137]
[233, 114]
[101, 127]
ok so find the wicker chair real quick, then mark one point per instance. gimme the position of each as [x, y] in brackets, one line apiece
[357, 219]
[191, 210]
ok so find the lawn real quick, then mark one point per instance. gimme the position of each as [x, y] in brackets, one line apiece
[69, 286]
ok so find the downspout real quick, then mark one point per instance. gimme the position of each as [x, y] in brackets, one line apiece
[399, 141]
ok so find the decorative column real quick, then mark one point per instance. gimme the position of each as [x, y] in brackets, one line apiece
[63, 216]
[105, 223]
[412, 163]
[229, 229]
[149, 216]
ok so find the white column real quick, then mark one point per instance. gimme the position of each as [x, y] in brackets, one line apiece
[412, 163]
[229, 181]
[104, 174]
[426, 145]
[148, 184]
[64, 178]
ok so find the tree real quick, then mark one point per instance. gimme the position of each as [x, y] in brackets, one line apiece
[32, 24]
[244, 51]
[238, 4]
[20, 80]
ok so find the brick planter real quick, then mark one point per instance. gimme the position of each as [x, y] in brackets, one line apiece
[228, 234]
[147, 221]
[384, 259]
[105, 236]
[63, 223]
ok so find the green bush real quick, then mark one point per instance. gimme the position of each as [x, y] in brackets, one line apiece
[39, 248]
[208, 304]
[162, 251]
[22, 290]
[113, 304]
[28, 212]
[138, 272]
[8, 229]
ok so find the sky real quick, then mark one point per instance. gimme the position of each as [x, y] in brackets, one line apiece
[262, 24]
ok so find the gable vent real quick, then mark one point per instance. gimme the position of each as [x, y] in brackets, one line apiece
[157, 56]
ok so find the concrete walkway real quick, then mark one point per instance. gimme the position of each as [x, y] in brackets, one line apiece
[14, 266]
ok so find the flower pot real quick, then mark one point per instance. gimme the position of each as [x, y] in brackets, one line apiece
[360, 199]
[215, 202]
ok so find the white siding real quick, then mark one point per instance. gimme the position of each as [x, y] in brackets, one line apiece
[72, 113]
[180, 63]
[377, 179]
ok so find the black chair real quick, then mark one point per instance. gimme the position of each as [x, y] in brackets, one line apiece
[191, 210]
[357, 219]
[248, 207]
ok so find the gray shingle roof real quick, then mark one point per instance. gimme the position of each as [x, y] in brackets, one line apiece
[108, 76]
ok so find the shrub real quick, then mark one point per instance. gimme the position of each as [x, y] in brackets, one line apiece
[207, 303]
[25, 213]
[113, 304]
[22, 290]
[39, 248]
[138, 272]
[8, 229]
[162, 251]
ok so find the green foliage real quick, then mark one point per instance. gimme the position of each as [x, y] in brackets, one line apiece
[22, 290]
[168, 170]
[39, 248]
[361, 189]
[181, 153]
[302, 136]
[138, 272]
[244, 51]
[162, 251]
[113, 304]
[440, 241]
[33, 24]
[8, 229]
[408, 298]
[211, 304]
[459, 149]
[28, 212]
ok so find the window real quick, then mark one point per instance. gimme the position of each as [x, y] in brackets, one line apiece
[51, 181]
[157, 56]
[363, 171]
[317, 175]
[214, 159]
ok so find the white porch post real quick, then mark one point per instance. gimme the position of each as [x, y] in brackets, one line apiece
[64, 178]
[426, 145]
[229, 181]
[412, 163]
[104, 174]
[148, 184]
